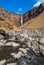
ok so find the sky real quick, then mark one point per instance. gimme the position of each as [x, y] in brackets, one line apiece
[19, 6]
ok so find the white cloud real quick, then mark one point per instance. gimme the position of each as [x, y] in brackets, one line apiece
[37, 4]
[18, 13]
[20, 9]
[41, 1]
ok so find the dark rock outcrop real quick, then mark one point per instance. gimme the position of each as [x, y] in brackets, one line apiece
[33, 13]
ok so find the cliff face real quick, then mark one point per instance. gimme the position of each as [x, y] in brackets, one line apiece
[13, 18]
[10, 20]
[36, 22]
[33, 13]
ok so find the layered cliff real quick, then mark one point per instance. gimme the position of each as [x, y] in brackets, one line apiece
[33, 13]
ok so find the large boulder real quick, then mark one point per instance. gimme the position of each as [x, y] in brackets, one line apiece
[12, 44]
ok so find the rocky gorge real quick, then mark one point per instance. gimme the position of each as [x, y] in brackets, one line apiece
[22, 44]
[25, 47]
[11, 19]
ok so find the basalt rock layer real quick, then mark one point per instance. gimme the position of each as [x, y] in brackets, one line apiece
[33, 13]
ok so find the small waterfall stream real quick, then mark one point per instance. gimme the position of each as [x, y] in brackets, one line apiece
[21, 22]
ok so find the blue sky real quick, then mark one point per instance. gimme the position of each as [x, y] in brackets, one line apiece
[19, 6]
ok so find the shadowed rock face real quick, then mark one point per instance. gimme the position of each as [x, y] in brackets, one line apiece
[33, 13]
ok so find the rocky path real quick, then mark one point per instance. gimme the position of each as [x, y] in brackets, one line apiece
[22, 48]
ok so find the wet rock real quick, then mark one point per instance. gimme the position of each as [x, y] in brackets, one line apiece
[22, 39]
[22, 61]
[16, 44]
[22, 35]
[2, 32]
[12, 64]
[29, 44]
[9, 44]
[27, 49]
[1, 36]
[17, 55]
[2, 42]
[26, 35]
[42, 49]
[31, 39]
[23, 50]
[42, 41]
[35, 46]
[12, 38]
[12, 44]
[2, 62]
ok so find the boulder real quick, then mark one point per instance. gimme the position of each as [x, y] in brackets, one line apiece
[12, 38]
[16, 44]
[8, 44]
[25, 35]
[29, 44]
[22, 35]
[2, 32]
[1, 36]
[42, 49]
[27, 49]
[12, 44]
[23, 50]
[17, 55]
[35, 46]
[42, 41]
[12, 64]
[2, 62]
[21, 39]
[2, 42]
[31, 39]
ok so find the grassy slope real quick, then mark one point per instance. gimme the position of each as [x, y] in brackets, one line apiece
[35, 22]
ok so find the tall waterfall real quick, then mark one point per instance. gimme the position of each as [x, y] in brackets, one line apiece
[21, 20]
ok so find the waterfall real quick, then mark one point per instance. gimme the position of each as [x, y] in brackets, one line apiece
[21, 20]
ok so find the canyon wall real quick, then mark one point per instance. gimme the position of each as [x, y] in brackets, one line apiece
[33, 13]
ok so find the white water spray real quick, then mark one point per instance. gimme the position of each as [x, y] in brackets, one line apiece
[21, 20]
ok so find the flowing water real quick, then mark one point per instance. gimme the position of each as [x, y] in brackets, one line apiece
[21, 22]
